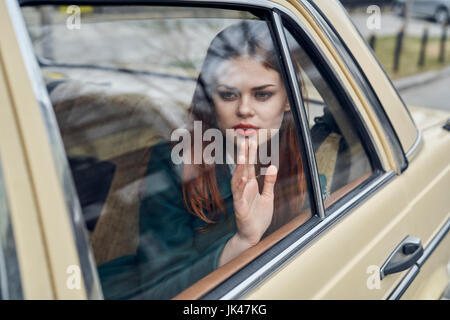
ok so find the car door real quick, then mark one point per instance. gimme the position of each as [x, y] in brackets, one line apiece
[351, 234]
[412, 148]
[114, 145]
[346, 263]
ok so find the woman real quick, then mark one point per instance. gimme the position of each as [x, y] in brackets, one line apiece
[197, 217]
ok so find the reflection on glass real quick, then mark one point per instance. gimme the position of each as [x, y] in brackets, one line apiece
[342, 160]
[180, 139]
[10, 281]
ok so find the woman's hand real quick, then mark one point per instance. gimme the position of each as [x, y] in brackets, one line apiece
[253, 210]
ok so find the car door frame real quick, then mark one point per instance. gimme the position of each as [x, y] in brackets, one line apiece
[300, 238]
[70, 272]
[64, 178]
[247, 285]
[33, 266]
[244, 286]
[415, 156]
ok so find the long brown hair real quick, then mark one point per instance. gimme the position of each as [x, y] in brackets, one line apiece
[200, 189]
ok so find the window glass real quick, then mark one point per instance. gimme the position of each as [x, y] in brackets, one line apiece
[342, 160]
[10, 282]
[179, 135]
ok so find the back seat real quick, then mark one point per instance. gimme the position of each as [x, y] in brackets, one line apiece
[108, 151]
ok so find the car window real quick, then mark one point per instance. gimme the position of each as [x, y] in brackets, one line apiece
[179, 135]
[10, 281]
[342, 158]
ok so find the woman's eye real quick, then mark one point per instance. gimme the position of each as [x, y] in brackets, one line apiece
[227, 95]
[263, 95]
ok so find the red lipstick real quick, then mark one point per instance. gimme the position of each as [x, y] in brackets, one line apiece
[244, 126]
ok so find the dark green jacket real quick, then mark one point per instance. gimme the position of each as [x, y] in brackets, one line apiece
[172, 253]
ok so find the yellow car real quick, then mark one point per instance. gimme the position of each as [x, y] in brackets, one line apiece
[134, 158]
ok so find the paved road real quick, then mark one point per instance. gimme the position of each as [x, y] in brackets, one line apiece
[390, 25]
[435, 94]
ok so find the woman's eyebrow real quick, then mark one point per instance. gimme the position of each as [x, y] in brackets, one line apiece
[227, 87]
[263, 87]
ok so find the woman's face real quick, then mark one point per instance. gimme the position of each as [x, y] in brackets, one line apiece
[249, 97]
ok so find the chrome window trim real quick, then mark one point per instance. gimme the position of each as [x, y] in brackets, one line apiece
[280, 259]
[365, 85]
[417, 146]
[287, 255]
[355, 116]
[10, 278]
[300, 107]
[404, 283]
[407, 280]
[88, 267]
[379, 64]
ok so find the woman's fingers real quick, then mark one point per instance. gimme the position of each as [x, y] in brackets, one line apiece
[237, 175]
[238, 182]
[241, 187]
[252, 149]
[245, 167]
[241, 159]
[240, 171]
[269, 182]
[246, 145]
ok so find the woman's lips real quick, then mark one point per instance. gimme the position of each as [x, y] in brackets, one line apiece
[245, 130]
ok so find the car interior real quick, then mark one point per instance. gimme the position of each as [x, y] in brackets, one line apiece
[109, 179]
[108, 128]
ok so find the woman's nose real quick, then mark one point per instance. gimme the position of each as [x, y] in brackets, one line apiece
[245, 108]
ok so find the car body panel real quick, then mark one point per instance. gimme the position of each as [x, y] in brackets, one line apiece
[426, 117]
[336, 264]
[382, 222]
[47, 190]
[352, 269]
[30, 246]
[433, 277]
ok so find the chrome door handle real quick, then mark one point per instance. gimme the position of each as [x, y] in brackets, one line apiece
[403, 257]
